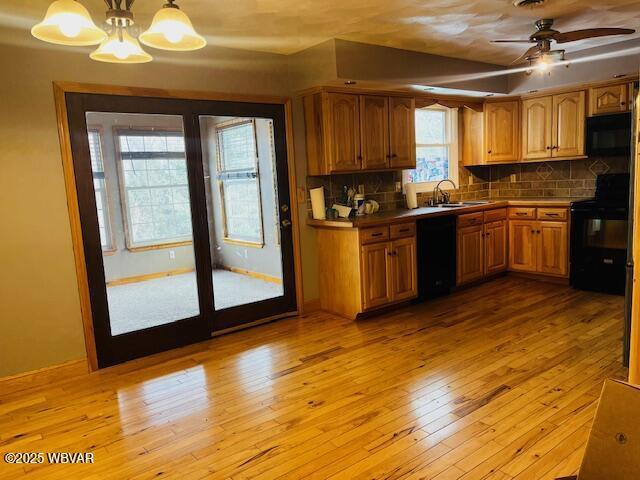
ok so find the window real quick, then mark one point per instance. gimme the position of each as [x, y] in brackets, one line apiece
[238, 178]
[100, 187]
[436, 148]
[153, 174]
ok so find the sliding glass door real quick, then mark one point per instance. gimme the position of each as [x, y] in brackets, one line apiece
[184, 208]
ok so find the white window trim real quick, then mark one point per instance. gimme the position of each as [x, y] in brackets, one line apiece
[452, 142]
[126, 212]
[228, 237]
[106, 198]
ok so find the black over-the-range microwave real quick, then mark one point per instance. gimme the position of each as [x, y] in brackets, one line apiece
[609, 135]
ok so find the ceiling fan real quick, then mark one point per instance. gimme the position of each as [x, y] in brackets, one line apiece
[545, 35]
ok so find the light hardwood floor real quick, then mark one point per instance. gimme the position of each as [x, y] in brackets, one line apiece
[498, 381]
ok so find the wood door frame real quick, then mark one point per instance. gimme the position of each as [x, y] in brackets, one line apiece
[60, 89]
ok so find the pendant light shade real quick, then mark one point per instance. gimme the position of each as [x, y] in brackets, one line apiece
[121, 47]
[67, 22]
[171, 29]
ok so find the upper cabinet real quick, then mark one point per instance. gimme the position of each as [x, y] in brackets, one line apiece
[502, 131]
[344, 132]
[609, 99]
[568, 125]
[347, 132]
[553, 126]
[537, 128]
[403, 132]
[374, 120]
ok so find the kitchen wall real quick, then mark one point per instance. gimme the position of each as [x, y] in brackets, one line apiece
[40, 319]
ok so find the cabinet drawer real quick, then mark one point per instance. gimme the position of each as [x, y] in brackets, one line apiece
[552, 214]
[470, 219]
[375, 234]
[496, 214]
[403, 230]
[522, 212]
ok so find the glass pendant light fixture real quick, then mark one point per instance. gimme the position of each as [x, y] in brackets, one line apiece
[67, 22]
[120, 47]
[171, 29]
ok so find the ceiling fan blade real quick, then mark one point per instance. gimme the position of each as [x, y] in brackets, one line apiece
[590, 33]
[510, 41]
[532, 52]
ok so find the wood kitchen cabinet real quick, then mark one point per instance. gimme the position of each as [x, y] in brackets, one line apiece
[568, 125]
[374, 119]
[481, 245]
[537, 128]
[404, 275]
[344, 132]
[402, 115]
[502, 131]
[609, 99]
[376, 274]
[553, 126]
[350, 132]
[540, 245]
[470, 259]
[495, 242]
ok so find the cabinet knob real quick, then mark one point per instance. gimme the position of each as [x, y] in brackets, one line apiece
[359, 157]
[548, 148]
[393, 155]
[489, 151]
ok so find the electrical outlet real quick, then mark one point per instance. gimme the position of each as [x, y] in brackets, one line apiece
[398, 187]
[514, 178]
[470, 179]
[172, 254]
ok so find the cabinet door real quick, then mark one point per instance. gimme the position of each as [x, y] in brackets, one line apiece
[537, 119]
[502, 123]
[495, 241]
[553, 248]
[402, 132]
[344, 132]
[404, 283]
[522, 245]
[376, 274]
[609, 99]
[374, 129]
[470, 254]
[569, 125]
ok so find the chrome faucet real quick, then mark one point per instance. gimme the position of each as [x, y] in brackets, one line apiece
[445, 195]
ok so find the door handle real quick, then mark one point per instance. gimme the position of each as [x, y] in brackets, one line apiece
[284, 207]
[285, 223]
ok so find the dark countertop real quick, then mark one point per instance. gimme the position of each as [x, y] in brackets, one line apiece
[404, 214]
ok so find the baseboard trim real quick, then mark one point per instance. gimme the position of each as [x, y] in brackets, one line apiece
[311, 306]
[249, 273]
[43, 376]
[541, 277]
[149, 276]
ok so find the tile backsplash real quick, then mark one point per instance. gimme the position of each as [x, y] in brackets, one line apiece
[559, 179]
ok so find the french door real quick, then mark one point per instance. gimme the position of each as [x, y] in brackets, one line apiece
[185, 214]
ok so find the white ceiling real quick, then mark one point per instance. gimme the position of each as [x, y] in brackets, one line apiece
[455, 28]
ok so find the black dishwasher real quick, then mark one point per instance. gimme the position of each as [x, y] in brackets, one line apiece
[436, 256]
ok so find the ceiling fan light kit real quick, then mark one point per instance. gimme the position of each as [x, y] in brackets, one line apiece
[540, 56]
[68, 22]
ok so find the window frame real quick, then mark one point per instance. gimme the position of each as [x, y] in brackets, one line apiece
[126, 220]
[111, 248]
[453, 140]
[223, 211]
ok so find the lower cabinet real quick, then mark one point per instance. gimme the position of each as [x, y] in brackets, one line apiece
[539, 247]
[376, 274]
[389, 272]
[481, 245]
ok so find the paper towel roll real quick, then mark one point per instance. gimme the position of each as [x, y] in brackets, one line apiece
[317, 203]
[412, 196]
